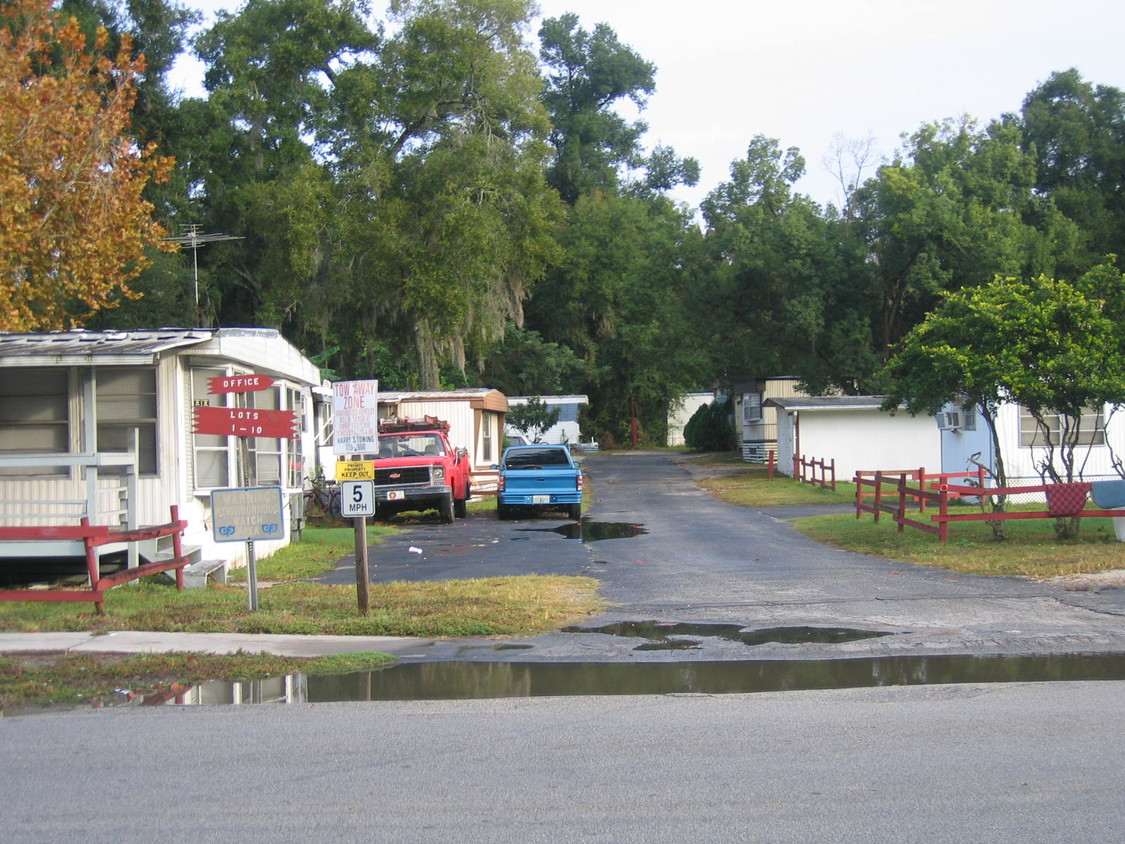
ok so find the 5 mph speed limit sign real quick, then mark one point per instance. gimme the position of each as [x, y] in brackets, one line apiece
[357, 499]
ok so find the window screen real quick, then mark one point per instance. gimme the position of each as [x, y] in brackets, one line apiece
[126, 413]
[34, 415]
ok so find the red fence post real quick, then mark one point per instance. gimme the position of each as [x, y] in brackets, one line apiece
[178, 546]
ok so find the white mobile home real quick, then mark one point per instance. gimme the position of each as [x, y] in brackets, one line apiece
[72, 403]
[566, 430]
[683, 408]
[965, 434]
[854, 432]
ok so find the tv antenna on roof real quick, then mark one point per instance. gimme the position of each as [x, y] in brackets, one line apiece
[192, 239]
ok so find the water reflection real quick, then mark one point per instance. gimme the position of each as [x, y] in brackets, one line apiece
[588, 530]
[670, 635]
[469, 680]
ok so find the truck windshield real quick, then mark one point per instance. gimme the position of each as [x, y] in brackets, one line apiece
[410, 445]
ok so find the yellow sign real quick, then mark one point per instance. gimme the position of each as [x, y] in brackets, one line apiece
[355, 470]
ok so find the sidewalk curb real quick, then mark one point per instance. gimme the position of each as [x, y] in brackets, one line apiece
[137, 642]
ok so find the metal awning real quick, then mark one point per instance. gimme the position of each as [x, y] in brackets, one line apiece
[87, 348]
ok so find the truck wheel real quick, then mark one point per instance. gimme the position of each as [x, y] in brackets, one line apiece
[575, 512]
[445, 509]
[503, 513]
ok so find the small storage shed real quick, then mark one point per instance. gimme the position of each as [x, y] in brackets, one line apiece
[99, 424]
[856, 433]
[476, 422]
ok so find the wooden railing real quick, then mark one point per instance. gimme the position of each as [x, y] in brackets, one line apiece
[874, 483]
[817, 472]
[939, 494]
[93, 537]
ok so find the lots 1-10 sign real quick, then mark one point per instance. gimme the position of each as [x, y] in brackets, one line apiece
[243, 421]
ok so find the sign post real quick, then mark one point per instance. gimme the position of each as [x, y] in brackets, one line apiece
[355, 422]
[250, 513]
[357, 499]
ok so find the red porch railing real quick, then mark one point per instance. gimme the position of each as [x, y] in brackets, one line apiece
[92, 537]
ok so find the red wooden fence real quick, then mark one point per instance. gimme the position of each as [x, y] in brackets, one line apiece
[941, 493]
[875, 481]
[806, 470]
[94, 536]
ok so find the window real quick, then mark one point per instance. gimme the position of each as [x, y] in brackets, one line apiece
[125, 400]
[33, 415]
[751, 407]
[486, 443]
[267, 453]
[210, 456]
[1091, 428]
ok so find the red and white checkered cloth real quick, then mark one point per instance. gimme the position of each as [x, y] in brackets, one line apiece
[1066, 499]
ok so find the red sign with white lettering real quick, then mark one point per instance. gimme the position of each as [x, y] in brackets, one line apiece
[245, 422]
[239, 384]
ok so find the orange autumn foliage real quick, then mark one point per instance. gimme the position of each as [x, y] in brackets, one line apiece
[73, 224]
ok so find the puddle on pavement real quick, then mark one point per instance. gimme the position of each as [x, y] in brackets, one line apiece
[674, 635]
[474, 680]
[591, 531]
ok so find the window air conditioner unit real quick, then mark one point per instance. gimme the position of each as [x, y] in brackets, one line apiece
[949, 421]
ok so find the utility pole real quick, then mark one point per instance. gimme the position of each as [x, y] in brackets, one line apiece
[192, 239]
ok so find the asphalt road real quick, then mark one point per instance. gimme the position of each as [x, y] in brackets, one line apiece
[984, 762]
[694, 559]
[1006, 763]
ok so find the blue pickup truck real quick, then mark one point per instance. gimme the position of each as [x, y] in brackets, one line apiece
[538, 477]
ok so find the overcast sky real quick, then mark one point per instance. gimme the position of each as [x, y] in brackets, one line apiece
[805, 71]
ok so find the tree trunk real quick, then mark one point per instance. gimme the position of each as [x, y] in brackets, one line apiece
[428, 374]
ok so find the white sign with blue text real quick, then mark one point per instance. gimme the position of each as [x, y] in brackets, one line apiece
[247, 515]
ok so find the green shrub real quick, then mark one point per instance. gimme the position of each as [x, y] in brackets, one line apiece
[710, 428]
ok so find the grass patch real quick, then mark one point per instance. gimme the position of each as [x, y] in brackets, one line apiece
[56, 678]
[1031, 549]
[750, 486]
[491, 606]
[318, 552]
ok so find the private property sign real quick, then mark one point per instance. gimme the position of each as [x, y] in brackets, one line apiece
[355, 416]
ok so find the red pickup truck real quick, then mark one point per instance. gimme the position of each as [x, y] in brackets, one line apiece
[416, 468]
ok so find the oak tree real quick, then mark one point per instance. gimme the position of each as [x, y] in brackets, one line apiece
[73, 223]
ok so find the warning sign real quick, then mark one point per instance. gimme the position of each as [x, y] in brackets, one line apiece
[246, 515]
[355, 470]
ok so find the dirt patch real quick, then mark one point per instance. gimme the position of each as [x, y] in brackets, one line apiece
[1113, 579]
